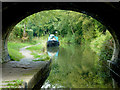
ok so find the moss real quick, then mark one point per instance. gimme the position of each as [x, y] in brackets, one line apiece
[13, 84]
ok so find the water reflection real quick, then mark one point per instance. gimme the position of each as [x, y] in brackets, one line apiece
[75, 67]
[53, 51]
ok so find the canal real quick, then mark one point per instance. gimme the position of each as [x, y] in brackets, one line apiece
[76, 66]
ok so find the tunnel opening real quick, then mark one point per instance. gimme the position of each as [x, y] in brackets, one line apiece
[64, 36]
[109, 10]
[19, 29]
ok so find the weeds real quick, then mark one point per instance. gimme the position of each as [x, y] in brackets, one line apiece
[13, 84]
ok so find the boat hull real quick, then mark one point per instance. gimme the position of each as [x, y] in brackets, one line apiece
[52, 43]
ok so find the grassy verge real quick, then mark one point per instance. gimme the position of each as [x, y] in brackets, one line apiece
[14, 46]
[39, 51]
[13, 49]
[37, 48]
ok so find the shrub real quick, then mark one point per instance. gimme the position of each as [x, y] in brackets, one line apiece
[103, 46]
[30, 34]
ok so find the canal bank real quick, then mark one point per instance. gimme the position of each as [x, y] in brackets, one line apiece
[73, 66]
[30, 74]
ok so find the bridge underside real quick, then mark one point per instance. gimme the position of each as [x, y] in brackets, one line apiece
[107, 13]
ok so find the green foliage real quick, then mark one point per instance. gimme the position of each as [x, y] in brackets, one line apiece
[75, 68]
[14, 46]
[35, 48]
[39, 50]
[15, 55]
[103, 43]
[30, 34]
[13, 84]
[103, 46]
[13, 49]
[73, 26]
[17, 33]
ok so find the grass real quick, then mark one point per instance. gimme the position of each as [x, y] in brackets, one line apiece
[40, 49]
[35, 48]
[44, 58]
[13, 49]
[14, 46]
[36, 55]
[14, 83]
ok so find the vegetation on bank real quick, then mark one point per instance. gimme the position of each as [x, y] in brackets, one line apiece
[38, 49]
[72, 28]
[13, 49]
[13, 83]
[103, 46]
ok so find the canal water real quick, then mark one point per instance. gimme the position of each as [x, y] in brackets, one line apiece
[76, 66]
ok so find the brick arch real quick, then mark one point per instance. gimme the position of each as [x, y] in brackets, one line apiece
[107, 13]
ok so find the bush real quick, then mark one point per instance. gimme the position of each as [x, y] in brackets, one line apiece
[16, 33]
[30, 34]
[103, 46]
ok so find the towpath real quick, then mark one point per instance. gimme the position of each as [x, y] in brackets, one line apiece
[25, 69]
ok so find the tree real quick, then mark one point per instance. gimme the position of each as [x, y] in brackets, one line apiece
[76, 26]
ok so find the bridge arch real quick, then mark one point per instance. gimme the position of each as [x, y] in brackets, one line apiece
[106, 13]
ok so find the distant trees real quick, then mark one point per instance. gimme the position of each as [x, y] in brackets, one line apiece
[77, 26]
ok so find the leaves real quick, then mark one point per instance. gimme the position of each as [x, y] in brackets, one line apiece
[77, 26]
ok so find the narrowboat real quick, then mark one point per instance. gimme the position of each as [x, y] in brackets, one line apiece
[52, 41]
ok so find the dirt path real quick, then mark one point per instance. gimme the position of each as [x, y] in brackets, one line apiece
[25, 62]
[25, 69]
[27, 54]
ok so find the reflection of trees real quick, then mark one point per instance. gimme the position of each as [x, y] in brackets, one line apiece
[52, 49]
[106, 54]
[75, 68]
